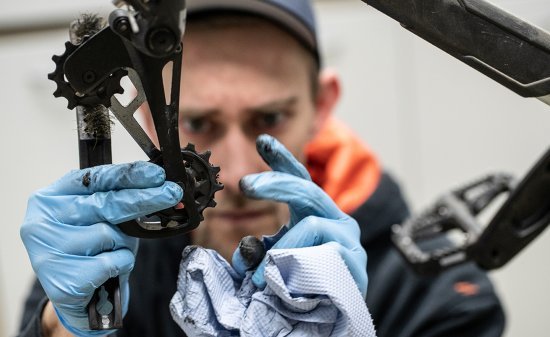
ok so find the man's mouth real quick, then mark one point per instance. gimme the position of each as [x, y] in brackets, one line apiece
[240, 215]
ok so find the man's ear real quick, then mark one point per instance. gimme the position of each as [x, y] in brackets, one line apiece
[327, 97]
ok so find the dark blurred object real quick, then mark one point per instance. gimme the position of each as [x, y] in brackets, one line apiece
[252, 250]
[426, 241]
[510, 51]
[517, 55]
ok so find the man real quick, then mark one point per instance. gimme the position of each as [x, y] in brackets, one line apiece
[250, 67]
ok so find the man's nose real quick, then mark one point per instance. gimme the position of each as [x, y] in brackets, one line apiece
[237, 156]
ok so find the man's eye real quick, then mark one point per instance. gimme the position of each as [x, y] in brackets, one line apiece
[197, 125]
[269, 120]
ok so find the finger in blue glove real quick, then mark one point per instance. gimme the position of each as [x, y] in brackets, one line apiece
[71, 236]
[315, 218]
[279, 158]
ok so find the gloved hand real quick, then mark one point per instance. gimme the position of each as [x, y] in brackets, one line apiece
[71, 236]
[314, 217]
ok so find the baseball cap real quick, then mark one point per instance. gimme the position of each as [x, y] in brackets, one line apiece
[295, 16]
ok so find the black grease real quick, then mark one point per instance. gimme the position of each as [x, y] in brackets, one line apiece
[98, 122]
[188, 251]
[189, 320]
[87, 25]
[264, 149]
[245, 188]
[126, 174]
[86, 179]
[252, 250]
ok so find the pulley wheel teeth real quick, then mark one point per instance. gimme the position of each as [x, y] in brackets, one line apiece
[111, 84]
[190, 147]
[206, 155]
[204, 174]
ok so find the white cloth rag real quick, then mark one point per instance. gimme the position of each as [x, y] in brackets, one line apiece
[309, 292]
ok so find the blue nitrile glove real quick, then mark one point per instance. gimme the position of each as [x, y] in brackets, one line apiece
[314, 217]
[71, 238]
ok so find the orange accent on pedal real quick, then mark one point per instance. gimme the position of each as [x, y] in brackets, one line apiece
[466, 288]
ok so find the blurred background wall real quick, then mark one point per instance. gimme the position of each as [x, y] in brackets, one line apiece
[434, 122]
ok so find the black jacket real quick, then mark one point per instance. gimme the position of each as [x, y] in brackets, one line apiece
[401, 303]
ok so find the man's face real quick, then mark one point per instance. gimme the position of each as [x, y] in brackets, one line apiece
[240, 81]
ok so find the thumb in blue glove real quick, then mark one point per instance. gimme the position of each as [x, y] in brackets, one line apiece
[71, 236]
[314, 217]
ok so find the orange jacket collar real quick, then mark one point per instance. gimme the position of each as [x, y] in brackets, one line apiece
[343, 166]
